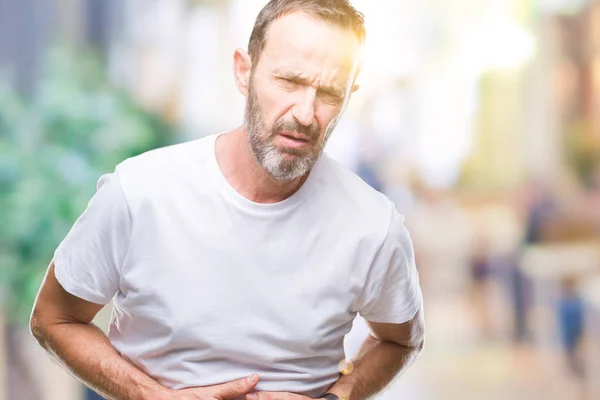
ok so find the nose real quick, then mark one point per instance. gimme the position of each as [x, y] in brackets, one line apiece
[304, 109]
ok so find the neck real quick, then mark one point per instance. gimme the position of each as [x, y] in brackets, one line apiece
[245, 174]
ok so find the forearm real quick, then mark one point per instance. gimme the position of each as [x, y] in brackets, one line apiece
[375, 367]
[88, 354]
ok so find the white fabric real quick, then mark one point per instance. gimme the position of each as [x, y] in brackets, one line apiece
[209, 287]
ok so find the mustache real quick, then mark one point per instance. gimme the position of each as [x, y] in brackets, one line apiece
[312, 131]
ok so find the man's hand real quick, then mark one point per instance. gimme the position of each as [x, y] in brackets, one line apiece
[225, 391]
[276, 396]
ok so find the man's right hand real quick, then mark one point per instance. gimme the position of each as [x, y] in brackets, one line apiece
[224, 391]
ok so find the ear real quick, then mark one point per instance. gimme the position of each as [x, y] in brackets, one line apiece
[241, 70]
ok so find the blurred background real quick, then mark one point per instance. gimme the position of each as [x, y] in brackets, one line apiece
[479, 119]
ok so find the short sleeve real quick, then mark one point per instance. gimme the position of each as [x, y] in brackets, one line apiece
[391, 293]
[88, 261]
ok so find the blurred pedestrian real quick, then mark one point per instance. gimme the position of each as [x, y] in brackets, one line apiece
[570, 318]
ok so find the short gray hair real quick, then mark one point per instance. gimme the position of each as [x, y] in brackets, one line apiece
[339, 12]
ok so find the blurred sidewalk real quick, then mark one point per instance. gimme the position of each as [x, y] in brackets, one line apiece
[459, 362]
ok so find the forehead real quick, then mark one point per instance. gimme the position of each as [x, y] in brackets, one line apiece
[302, 44]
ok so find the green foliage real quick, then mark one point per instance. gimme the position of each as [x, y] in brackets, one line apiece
[53, 148]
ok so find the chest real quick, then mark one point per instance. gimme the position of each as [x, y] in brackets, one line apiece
[222, 282]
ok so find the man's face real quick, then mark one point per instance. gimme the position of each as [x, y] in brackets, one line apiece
[297, 92]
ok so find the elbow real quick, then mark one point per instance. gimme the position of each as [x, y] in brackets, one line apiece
[417, 341]
[37, 328]
[420, 342]
[34, 325]
[420, 346]
[415, 347]
[419, 334]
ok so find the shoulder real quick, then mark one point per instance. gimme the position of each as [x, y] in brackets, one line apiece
[164, 168]
[165, 158]
[359, 203]
[341, 183]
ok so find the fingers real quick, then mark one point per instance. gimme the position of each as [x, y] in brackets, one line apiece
[236, 388]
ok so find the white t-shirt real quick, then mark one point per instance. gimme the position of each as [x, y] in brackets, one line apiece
[209, 286]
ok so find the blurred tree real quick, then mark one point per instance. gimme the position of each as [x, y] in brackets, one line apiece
[53, 148]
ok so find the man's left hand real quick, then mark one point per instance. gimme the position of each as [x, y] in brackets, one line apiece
[276, 396]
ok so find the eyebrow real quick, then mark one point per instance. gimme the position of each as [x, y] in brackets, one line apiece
[334, 88]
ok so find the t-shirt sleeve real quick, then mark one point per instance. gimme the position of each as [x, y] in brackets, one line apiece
[391, 293]
[88, 261]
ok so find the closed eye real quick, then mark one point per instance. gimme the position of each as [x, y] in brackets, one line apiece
[331, 97]
[327, 94]
[288, 83]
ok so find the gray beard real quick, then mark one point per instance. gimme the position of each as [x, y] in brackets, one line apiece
[273, 160]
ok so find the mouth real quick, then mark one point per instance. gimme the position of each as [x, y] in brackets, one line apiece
[293, 139]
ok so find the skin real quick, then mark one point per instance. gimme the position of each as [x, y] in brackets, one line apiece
[304, 77]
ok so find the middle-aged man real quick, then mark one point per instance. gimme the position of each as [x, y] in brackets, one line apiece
[237, 262]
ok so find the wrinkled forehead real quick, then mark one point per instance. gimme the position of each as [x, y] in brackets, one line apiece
[301, 44]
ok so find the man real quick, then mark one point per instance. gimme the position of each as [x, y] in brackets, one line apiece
[237, 263]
